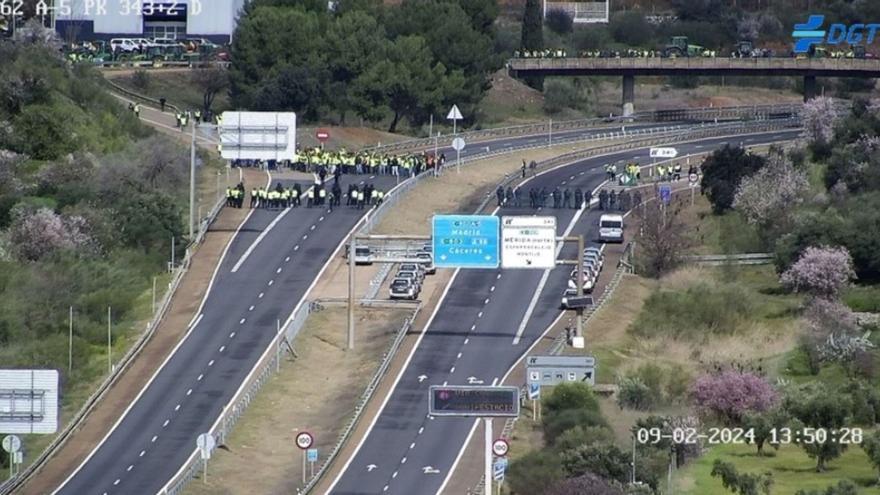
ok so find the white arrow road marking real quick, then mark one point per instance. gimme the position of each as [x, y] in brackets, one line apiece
[422, 378]
[474, 381]
[430, 470]
[371, 467]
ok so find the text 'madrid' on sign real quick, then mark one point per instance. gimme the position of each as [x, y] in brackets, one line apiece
[810, 33]
[528, 242]
[465, 241]
[482, 401]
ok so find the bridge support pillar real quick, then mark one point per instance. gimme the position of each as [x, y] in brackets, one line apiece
[629, 90]
[809, 88]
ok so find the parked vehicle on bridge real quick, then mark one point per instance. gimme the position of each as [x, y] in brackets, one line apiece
[611, 228]
[859, 51]
[746, 49]
[679, 47]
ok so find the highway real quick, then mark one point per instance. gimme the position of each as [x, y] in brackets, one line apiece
[269, 267]
[471, 335]
[236, 323]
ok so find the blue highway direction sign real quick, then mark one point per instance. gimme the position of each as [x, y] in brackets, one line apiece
[466, 241]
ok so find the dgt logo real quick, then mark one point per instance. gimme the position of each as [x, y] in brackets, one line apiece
[810, 33]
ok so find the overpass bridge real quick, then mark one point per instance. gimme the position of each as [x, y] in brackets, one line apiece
[629, 68]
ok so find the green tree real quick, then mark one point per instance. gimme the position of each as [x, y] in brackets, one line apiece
[575, 395]
[741, 483]
[762, 424]
[871, 446]
[354, 41]
[814, 406]
[722, 172]
[603, 459]
[631, 28]
[406, 82]
[533, 36]
[843, 487]
[453, 41]
[280, 61]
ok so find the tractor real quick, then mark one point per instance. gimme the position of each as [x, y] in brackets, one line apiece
[679, 47]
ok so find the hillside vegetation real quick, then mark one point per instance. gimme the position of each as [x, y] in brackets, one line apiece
[89, 202]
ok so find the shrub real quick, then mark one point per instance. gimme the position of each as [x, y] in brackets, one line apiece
[558, 96]
[534, 472]
[634, 394]
[558, 423]
[559, 21]
[697, 312]
[730, 395]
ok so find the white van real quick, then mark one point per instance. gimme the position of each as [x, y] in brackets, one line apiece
[611, 228]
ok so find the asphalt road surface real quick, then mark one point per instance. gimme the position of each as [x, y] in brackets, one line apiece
[472, 334]
[233, 330]
[157, 434]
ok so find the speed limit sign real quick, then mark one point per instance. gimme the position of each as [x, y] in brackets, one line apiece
[304, 440]
[500, 447]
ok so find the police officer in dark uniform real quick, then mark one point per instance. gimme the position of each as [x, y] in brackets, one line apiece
[533, 198]
[542, 201]
[337, 193]
[508, 199]
[516, 198]
[623, 201]
[612, 200]
[588, 197]
[603, 199]
[566, 198]
[499, 193]
[578, 198]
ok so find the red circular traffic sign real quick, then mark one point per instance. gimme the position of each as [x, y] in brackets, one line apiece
[500, 447]
[322, 135]
[304, 440]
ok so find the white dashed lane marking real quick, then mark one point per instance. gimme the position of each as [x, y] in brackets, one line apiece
[271, 282]
[251, 308]
[177, 407]
[295, 248]
[466, 341]
[142, 453]
[200, 377]
[278, 270]
[211, 363]
[459, 356]
[287, 259]
[116, 482]
[166, 422]
[189, 392]
[452, 370]
[241, 322]
[153, 440]
[130, 467]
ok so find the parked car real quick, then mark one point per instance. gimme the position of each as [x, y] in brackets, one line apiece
[123, 45]
[596, 252]
[166, 42]
[413, 267]
[410, 275]
[427, 262]
[588, 285]
[402, 289]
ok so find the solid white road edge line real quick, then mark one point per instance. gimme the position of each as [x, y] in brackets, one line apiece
[362, 221]
[393, 385]
[196, 319]
[259, 239]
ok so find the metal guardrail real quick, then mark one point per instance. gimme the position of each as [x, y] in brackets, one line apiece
[121, 365]
[137, 96]
[269, 363]
[364, 399]
[731, 259]
[550, 127]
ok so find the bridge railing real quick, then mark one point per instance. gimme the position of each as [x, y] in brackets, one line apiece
[685, 63]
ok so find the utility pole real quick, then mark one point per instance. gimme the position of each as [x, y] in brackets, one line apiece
[70, 343]
[192, 183]
[109, 344]
[351, 256]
